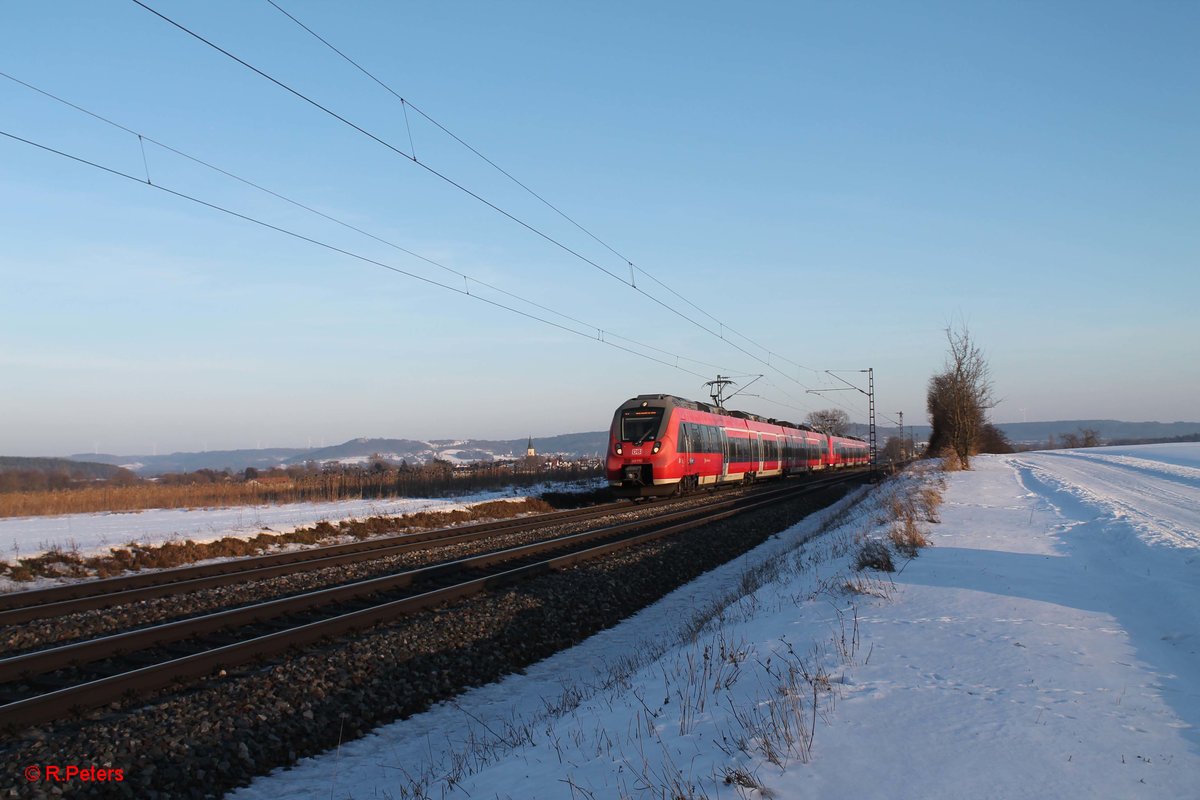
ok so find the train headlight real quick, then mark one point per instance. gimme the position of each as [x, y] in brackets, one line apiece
[620, 450]
[657, 447]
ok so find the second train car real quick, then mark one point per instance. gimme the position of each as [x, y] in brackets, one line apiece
[661, 444]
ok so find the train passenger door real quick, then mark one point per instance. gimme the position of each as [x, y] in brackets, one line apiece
[723, 442]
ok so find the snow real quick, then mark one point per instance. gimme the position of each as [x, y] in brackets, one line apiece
[95, 533]
[1046, 645]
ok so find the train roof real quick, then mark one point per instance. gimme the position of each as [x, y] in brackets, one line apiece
[671, 400]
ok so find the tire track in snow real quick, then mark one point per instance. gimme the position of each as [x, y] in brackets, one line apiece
[1160, 508]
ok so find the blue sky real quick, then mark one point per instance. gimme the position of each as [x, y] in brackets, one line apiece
[837, 182]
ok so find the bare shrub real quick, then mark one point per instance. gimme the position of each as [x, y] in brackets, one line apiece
[867, 586]
[951, 461]
[907, 538]
[20, 573]
[874, 554]
[901, 506]
[742, 778]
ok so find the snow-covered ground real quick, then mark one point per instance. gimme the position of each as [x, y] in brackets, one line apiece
[96, 533]
[1047, 645]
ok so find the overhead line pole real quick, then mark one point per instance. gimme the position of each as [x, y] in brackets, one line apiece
[870, 393]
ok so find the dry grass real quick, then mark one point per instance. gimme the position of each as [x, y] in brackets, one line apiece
[928, 499]
[911, 503]
[874, 554]
[906, 538]
[58, 562]
[950, 461]
[92, 499]
[225, 491]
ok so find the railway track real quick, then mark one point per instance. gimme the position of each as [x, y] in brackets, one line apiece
[64, 680]
[30, 620]
[18, 607]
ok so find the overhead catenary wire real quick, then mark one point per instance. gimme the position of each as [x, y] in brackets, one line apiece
[468, 279]
[600, 334]
[797, 400]
[480, 198]
[342, 251]
[407, 103]
[334, 248]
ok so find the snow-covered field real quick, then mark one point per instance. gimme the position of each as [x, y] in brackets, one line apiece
[1047, 645]
[95, 533]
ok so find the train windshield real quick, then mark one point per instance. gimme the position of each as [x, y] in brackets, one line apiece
[640, 424]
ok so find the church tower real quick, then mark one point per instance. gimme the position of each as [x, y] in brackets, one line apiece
[529, 451]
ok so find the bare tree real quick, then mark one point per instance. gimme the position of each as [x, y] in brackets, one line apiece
[832, 421]
[1087, 437]
[895, 449]
[958, 398]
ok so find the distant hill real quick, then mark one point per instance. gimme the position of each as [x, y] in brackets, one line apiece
[569, 445]
[414, 451]
[1038, 432]
[1109, 429]
[77, 470]
[362, 449]
[234, 460]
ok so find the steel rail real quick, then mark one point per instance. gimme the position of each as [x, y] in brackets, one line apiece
[70, 700]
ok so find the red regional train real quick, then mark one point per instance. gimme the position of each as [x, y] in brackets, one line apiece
[660, 445]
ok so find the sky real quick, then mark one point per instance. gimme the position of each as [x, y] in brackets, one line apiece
[800, 187]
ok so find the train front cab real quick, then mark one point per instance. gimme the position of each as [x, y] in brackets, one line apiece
[640, 450]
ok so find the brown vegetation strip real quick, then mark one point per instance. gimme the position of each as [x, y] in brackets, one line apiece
[209, 489]
[120, 560]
